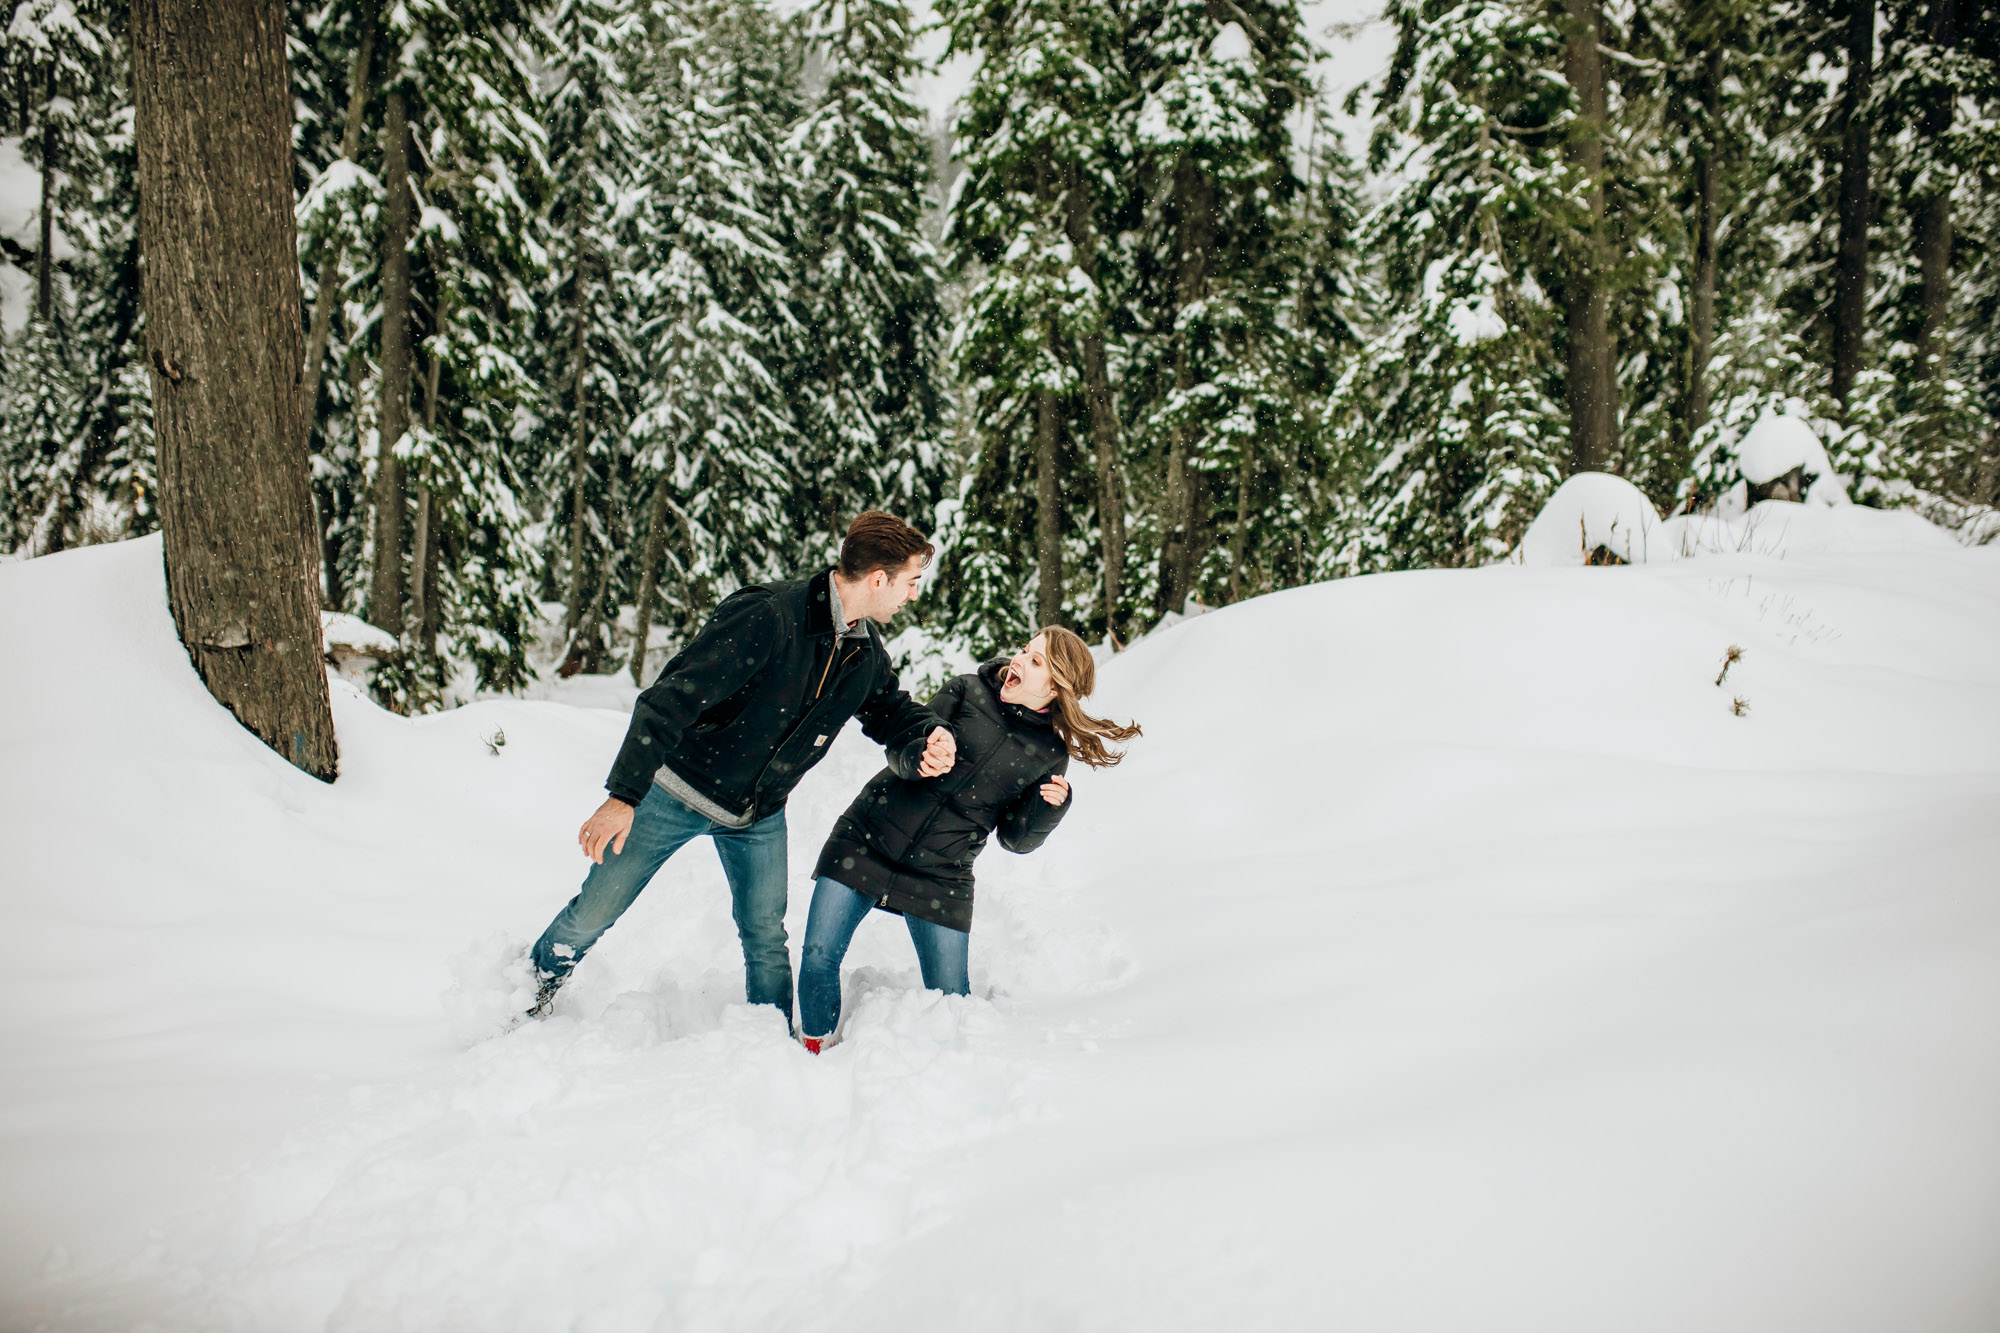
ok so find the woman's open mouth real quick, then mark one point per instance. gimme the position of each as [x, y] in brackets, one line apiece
[1011, 679]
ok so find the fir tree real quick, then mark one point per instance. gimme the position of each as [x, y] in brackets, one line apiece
[865, 379]
[1452, 410]
[712, 443]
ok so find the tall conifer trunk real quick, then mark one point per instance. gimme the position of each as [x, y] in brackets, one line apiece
[1048, 503]
[1186, 500]
[1104, 428]
[385, 601]
[1850, 289]
[1592, 353]
[45, 288]
[579, 450]
[329, 270]
[220, 282]
[1707, 184]
[424, 548]
[1934, 218]
[649, 577]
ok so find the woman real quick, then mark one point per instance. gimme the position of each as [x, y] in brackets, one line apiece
[908, 846]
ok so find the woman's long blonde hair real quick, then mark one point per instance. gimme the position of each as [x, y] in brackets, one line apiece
[1073, 671]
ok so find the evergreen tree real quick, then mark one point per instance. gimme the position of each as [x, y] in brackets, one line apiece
[1214, 369]
[712, 445]
[1037, 135]
[865, 379]
[1452, 411]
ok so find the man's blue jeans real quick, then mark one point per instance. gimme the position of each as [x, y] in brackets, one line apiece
[753, 858]
[837, 911]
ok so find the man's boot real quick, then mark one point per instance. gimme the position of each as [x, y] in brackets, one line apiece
[545, 994]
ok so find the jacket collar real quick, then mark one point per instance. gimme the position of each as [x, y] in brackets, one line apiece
[819, 603]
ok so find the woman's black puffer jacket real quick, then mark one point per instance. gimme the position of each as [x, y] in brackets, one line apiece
[909, 845]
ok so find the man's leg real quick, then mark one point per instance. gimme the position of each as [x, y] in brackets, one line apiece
[754, 860]
[836, 912]
[941, 953]
[660, 827]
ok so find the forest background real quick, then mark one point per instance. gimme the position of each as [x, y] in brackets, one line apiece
[613, 307]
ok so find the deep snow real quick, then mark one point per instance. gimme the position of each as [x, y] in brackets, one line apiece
[1450, 954]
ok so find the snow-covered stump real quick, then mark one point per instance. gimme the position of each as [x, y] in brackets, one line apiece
[1594, 519]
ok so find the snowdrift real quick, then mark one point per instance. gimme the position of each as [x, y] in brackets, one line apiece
[1453, 952]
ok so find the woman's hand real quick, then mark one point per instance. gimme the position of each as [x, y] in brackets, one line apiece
[1056, 790]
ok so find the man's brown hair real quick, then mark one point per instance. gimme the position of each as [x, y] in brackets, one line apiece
[876, 540]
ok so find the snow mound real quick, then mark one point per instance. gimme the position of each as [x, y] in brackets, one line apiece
[1591, 513]
[1527, 932]
[1775, 445]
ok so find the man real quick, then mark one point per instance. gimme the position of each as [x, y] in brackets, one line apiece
[720, 739]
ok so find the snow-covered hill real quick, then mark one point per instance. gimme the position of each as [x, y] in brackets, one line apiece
[1451, 954]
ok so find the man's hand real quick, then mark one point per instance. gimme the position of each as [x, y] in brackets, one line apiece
[606, 828]
[1056, 790]
[940, 753]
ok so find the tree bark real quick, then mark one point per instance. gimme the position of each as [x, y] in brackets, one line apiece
[591, 638]
[1180, 545]
[1104, 429]
[1707, 182]
[1934, 217]
[385, 600]
[1048, 505]
[45, 273]
[1591, 353]
[329, 270]
[1239, 538]
[579, 445]
[649, 578]
[220, 282]
[1850, 289]
[424, 564]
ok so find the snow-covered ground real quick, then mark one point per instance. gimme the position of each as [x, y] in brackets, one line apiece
[1452, 953]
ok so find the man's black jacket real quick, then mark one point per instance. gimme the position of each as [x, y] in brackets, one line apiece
[756, 700]
[910, 845]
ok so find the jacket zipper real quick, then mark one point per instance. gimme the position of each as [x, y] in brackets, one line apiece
[799, 725]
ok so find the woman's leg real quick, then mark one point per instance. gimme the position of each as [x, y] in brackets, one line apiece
[830, 924]
[941, 953]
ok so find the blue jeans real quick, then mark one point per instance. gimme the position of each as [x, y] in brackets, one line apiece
[753, 858]
[836, 912]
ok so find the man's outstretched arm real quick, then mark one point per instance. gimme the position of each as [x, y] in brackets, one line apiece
[916, 740]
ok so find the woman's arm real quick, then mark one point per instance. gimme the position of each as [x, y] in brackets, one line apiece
[1027, 823]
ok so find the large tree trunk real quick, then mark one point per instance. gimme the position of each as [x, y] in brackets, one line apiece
[1934, 217]
[45, 273]
[649, 578]
[385, 600]
[1048, 504]
[1592, 354]
[579, 450]
[1707, 185]
[1850, 288]
[329, 269]
[1104, 430]
[221, 289]
[424, 561]
[1186, 499]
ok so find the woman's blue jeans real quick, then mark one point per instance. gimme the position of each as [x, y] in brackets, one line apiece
[836, 912]
[753, 859]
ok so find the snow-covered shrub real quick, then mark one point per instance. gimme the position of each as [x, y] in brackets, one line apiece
[1760, 450]
[1594, 519]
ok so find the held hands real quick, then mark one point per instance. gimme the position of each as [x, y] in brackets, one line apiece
[606, 828]
[940, 753]
[1056, 790]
